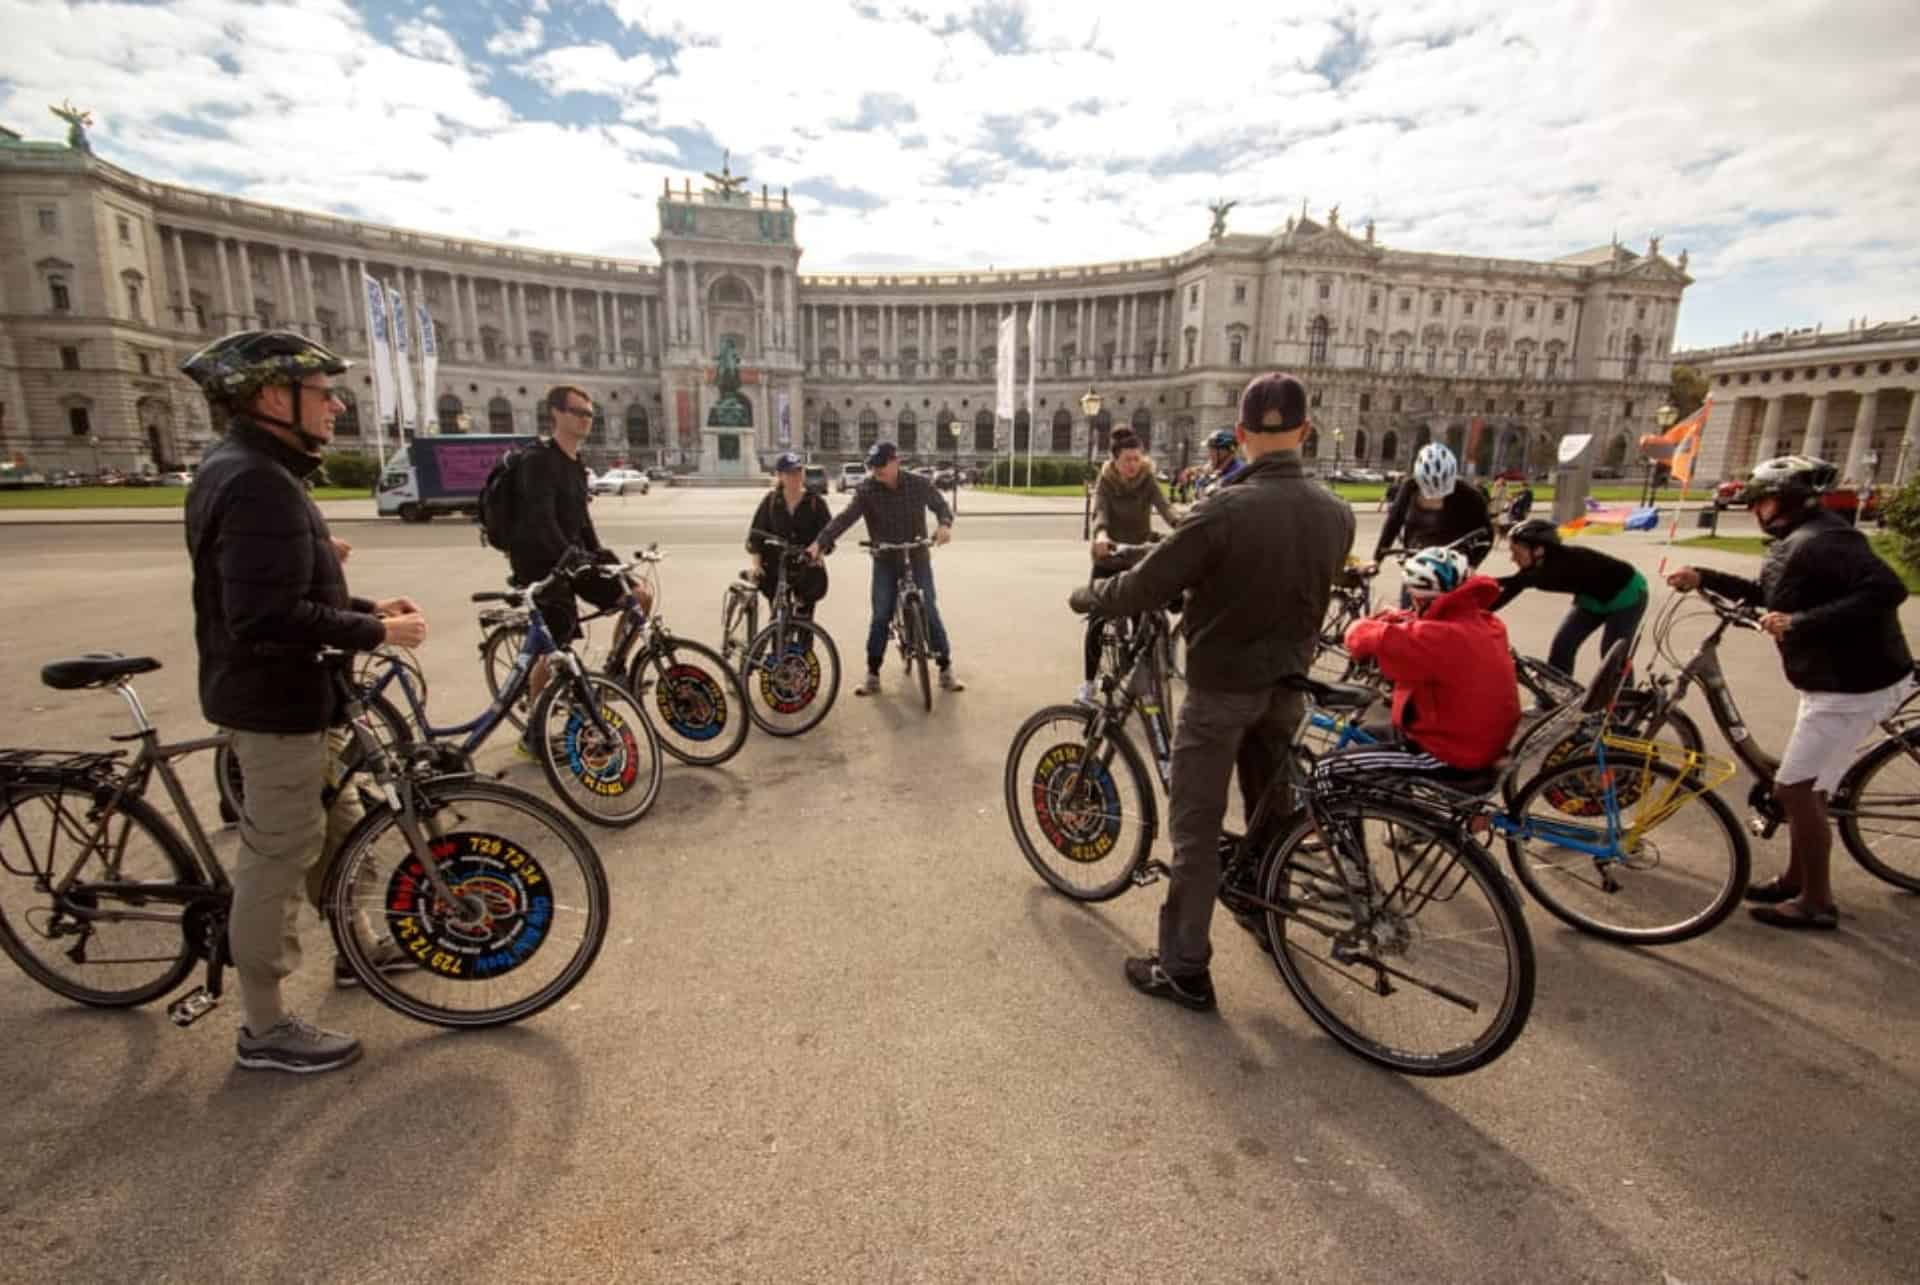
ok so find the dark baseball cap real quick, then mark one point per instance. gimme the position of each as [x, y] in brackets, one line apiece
[789, 462]
[881, 453]
[1273, 392]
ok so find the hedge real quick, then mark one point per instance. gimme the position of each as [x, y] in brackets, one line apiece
[349, 468]
[1048, 470]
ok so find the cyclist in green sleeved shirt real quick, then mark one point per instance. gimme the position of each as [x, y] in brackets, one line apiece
[1608, 594]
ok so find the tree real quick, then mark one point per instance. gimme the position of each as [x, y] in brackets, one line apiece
[1688, 391]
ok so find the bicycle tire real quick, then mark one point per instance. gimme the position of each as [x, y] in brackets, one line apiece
[232, 785]
[917, 649]
[1298, 873]
[1094, 837]
[498, 651]
[790, 683]
[18, 865]
[738, 609]
[608, 784]
[1701, 900]
[1854, 786]
[528, 893]
[700, 702]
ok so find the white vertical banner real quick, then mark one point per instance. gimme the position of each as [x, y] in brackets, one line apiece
[429, 368]
[1033, 365]
[785, 420]
[380, 349]
[403, 358]
[1003, 401]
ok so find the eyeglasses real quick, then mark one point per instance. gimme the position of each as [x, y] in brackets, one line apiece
[326, 393]
[584, 412]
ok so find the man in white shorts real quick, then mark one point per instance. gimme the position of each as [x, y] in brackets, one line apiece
[1833, 607]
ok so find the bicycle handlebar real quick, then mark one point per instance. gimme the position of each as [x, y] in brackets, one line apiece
[1731, 610]
[879, 546]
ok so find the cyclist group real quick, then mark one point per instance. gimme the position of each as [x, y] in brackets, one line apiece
[1831, 604]
[269, 592]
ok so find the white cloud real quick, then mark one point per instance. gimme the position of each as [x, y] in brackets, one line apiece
[512, 42]
[591, 69]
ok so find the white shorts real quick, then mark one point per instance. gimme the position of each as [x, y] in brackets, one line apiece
[1827, 730]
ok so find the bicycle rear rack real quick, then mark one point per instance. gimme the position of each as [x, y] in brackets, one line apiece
[56, 767]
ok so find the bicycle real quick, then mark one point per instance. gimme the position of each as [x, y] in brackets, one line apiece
[1876, 806]
[782, 665]
[908, 627]
[498, 898]
[1173, 651]
[696, 694]
[1424, 896]
[596, 747]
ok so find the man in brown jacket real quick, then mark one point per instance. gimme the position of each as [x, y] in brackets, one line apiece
[1256, 563]
[1125, 498]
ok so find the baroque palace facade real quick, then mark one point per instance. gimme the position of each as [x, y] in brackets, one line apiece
[108, 280]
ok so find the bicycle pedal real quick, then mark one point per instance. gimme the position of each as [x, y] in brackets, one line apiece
[1762, 826]
[192, 1006]
[1149, 872]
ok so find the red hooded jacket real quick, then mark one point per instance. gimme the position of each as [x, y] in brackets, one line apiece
[1454, 692]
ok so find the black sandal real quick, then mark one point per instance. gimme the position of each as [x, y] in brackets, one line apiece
[1772, 892]
[1799, 920]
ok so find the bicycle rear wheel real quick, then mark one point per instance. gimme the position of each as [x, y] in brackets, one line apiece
[916, 616]
[120, 935]
[1083, 829]
[791, 683]
[700, 701]
[1411, 950]
[498, 651]
[1676, 880]
[609, 774]
[1878, 808]
[530, 912]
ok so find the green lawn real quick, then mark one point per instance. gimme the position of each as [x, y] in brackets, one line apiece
[1069, 489]
[1370, 493]
[1756, 545]
[132, 497]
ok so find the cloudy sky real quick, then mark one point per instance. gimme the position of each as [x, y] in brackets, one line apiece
[1774, 139]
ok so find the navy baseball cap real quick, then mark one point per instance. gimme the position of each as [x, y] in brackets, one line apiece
[789, 462]
[1266, 394]
[881, 453]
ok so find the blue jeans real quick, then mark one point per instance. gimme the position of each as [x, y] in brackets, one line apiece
[886, 590]
[1580, 625]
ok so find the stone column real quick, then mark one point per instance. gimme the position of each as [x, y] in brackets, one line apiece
[1050, 336]
[1084, 341]
[248, 316]
[473, 320]
[306, 280]
[1129, 315]
[1816, 439]
[849, 349]
[227, 317]
[356, 300]
[1910, 438]
[512, 315]
[1769, 430]
[672, 317]
[766, 305]
[292, 304]
[696, 311]
[789, 320]
[180, 274]
[1862, 436]
[610, 316]
[1161, 354]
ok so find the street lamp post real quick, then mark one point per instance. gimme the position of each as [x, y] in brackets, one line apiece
[1664, 417]
[1338, 435]
[1090, 407]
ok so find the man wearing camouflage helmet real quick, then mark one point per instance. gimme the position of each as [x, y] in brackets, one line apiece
[268, 593]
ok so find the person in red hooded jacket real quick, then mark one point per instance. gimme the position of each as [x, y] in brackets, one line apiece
[1455, 700]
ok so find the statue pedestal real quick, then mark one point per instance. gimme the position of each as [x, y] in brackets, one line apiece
[728, 452]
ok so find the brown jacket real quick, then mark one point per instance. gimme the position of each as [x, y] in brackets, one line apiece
[1124, 509]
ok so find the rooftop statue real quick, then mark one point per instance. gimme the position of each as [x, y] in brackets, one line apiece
[726, 183]
[1219, 210]
[77, 122]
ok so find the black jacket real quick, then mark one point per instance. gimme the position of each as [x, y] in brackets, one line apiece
[267, 588]
[1461, 513]
[550, 511]
[801, 527]
[1569, 568]
[1257, 563]
[1844, 602]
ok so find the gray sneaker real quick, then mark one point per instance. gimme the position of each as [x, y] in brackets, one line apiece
[868, 685]
[388, 958]
[294, 1045]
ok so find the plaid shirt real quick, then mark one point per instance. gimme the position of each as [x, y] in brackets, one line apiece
[894, 514]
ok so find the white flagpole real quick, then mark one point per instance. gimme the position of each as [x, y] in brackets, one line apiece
[1033, 364]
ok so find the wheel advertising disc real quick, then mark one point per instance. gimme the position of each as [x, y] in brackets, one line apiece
[692, 702]
[607, 766]
[789, 684]
[1082, 826]
[501, 915]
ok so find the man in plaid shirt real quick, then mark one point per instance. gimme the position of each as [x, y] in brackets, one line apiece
[895, 503]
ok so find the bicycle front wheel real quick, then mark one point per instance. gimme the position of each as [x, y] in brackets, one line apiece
[597, 748]
[1082, 809]
[119, 935]
[390, 728]
[699, 699]
[1647, 879]
[498, 652]
[1878, 808]
[1410, 949]
[528, 915]
[916, 615]
[791, 682]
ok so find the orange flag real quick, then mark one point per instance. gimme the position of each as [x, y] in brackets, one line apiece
[1687, 445]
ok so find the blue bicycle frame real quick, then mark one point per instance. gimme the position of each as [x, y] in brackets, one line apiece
[538, 642]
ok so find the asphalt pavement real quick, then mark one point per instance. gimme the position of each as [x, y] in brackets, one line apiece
[841, 1032]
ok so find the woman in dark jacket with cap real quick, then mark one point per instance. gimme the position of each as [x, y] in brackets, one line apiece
[792, 513]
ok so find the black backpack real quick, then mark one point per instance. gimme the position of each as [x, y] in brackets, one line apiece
[500, 501]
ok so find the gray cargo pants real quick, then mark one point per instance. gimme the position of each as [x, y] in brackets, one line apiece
[1217, 731]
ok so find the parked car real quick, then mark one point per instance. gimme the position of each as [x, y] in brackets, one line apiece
[945, 478]
[178, 477]
[851, 476]
[620, 481]
[20, 476]
[660, 473]
[816, 479]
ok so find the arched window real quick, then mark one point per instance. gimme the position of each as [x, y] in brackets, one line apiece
[829, 431]
[449, 413]
[1022, 431]
[907, 432]
[1390, 447]
[347, 422]
[983, 434]
[1317, 342]
[543, 418]
[1236, 345]
[869, 430]
[1143, 427]
[499, 416]
[639, 428]
[1360, 446]
[1635, 347]
[1617, 452]
[944, 439]
[1062, 432]
[1102, 431]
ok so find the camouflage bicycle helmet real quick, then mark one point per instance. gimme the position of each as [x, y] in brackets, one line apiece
[231, 369]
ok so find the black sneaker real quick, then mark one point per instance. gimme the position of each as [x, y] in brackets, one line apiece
[1189, 990]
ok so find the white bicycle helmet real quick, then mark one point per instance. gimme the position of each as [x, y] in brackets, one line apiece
[1432, 572]
[1435, 471]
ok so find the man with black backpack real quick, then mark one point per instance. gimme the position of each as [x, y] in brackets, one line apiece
[546, 488]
